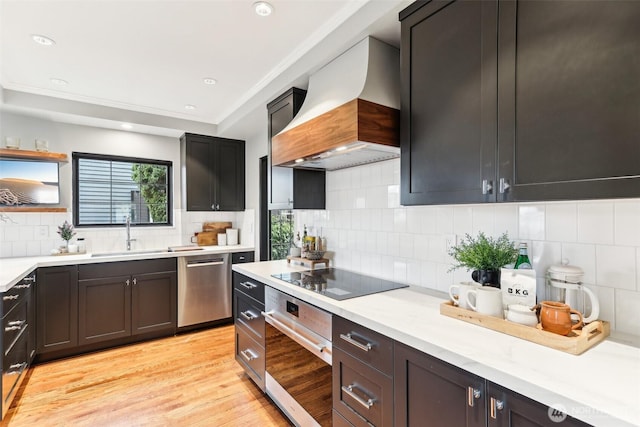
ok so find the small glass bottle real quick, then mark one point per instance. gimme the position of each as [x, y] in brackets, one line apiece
[82, 247]
[523, 263]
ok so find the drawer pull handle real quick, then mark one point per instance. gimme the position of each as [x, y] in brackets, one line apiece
[29, 279]
[496, 405]
[248, 315]
[350, 340]
[472, 395]
[12, 328]
[16, 369]
[23, 286]
[249, 355]
[17, 323]
[10, 297]
[368, 403]
[248, 285]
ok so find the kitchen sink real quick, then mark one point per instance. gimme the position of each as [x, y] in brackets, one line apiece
[149, 251]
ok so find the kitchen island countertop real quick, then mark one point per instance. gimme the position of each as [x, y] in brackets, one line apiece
[13, 270]
[600, 386]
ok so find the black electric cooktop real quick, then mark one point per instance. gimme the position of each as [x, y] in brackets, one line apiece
[338, 284]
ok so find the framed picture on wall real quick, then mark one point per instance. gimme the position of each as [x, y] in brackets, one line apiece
[29, 182]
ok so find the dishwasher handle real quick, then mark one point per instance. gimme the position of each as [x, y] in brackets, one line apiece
[192, 264]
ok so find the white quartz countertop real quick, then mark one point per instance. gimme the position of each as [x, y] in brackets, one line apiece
[600, 386]
[13, 270]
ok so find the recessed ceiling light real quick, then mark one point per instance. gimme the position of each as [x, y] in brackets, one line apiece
[189, 107]
[43, 40]
[126, 126]
[299, 160]
[59, 82]
[209, 81]
[341, 148]
[263, 8]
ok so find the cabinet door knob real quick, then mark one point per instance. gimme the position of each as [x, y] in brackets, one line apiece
[135, 281]
[213, 207]
[127, 282]
[487, 186]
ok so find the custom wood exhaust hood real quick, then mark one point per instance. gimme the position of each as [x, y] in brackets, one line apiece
[351, 113]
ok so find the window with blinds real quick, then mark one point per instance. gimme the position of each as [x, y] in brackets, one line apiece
[107, 189]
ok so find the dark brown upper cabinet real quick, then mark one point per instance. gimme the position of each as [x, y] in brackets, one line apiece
[213, 173]
[291, 188]
[519, 101]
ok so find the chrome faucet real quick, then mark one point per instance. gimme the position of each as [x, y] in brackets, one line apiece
[129, 239]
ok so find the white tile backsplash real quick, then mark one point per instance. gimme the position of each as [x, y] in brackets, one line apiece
[409, 243]
[33, 234]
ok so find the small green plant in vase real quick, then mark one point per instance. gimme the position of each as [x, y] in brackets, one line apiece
[484, 256]
[67, 232]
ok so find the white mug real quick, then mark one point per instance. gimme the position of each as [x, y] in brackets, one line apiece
[459, 298]
[487, 300]
[222, 239]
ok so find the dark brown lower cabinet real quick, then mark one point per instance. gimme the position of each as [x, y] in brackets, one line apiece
[507, 408]
[248, 303]
[57, 308]
[105, 309]
[154, 302]
[430, 392]
[94, 306]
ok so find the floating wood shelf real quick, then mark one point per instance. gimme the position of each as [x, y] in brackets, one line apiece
[32, 155]
[31, 209]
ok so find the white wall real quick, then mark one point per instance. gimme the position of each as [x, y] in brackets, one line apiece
[30, 234]
[369, 232]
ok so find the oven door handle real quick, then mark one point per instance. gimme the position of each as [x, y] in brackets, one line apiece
[302, 340]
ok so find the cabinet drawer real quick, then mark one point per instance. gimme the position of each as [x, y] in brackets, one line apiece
[251, 287]
[14, 324]
[250, 355]
[241, 257]
[14, 365]
[13, 296]
[247, 312]
[339, 421]
[364, 344]
[361, 394]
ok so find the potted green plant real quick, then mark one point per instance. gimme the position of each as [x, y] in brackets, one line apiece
[485, 256]
[67, 232]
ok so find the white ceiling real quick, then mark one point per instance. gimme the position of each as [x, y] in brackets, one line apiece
[142, 61]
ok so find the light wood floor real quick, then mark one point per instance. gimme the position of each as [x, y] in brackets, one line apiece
[188, 380]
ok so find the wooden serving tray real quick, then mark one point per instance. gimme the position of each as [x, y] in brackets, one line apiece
[576, 342]
[311, 262]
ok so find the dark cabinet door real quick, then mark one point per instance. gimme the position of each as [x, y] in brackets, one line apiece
[448, 96]
[510, 409]
[57, 308]
[197, 166]
[104, 309]
[153, 302]
[429, 389]
[569, 99]
[228, 174]
[291, 188]
[213, 172]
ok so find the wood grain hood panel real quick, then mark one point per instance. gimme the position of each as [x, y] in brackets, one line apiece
[355, 121]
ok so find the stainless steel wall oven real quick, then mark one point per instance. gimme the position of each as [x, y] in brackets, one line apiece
[298, 358]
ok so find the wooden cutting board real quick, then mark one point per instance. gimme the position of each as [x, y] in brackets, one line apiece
[210, 230]
[207, 238]
[217, 227]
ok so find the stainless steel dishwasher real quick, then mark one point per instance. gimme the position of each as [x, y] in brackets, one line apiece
[204, 289]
